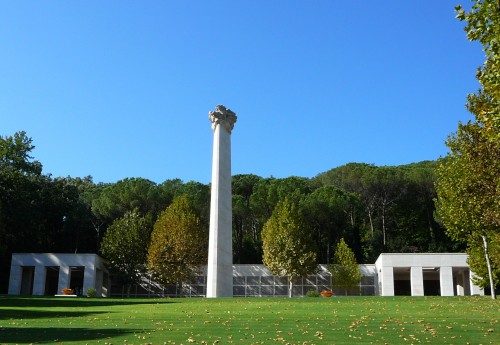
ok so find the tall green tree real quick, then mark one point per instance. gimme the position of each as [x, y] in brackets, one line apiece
[179, 244]
[125, 246]
[469, 177]
[483, 26]
[289, 250]
[467, 188]
[345, 269]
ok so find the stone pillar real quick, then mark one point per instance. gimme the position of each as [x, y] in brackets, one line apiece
[15, 279]
[39, 281]
[64, 278]
[417, 281]
[446, 280]
[220, 245]
[88, 278]
[386, 276]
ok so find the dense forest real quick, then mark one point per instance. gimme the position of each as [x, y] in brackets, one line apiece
[374, 208]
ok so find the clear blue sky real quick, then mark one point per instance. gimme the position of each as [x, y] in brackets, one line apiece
[118, 89]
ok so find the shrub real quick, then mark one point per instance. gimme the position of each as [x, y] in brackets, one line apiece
[91, 292]
[312, 293]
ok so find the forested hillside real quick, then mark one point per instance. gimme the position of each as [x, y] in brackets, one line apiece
[375, 209]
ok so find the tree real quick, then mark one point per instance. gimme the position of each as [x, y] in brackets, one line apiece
[179, 244]
[483, 25]
[345, 269]
[125, 246]
[469, 177]
[247, 245]
[288, 248]
[467, 188]
[332, 213]
[114, 200]
[477, 261]
[15, 154]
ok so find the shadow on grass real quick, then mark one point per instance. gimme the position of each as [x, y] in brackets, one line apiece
[70, 302]
[31, 335]
[23, 314]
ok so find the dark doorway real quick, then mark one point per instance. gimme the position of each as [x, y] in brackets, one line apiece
[51, 280]
[76, 282]
[402, 288]
[432, 288]
[27, 278]
[432, 281]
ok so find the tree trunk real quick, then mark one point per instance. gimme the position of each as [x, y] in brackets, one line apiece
[371, 221]
[290, 287]
[488, 263]
[383, 223]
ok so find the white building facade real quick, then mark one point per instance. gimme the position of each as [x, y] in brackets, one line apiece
[440, 274]
[47, 274]
[432, 274]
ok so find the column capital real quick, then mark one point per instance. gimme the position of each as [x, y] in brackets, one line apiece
[222, 116]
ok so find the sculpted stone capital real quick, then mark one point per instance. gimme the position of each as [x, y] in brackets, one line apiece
[222, 116]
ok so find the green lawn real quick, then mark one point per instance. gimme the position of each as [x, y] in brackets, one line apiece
[337, 320]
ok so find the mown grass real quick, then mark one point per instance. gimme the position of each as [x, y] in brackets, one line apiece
[338, 320]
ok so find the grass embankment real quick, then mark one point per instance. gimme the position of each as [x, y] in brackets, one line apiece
[338, 320]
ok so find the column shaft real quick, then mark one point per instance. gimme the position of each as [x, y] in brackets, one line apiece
[64, 278]
[417, 281]
[39, 281]
[387, 281]
[220, 244]
[446, 280]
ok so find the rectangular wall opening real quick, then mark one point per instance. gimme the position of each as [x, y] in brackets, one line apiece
[51, 280]
[27, 279]
[402, 281]
[432, 283]
[76, 279]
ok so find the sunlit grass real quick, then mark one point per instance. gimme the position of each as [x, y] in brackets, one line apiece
[338, 320]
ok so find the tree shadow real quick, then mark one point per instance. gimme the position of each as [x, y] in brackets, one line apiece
[31, 335]
[23, 314]
[70, 302]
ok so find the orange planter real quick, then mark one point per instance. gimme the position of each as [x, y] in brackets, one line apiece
[67, 291]
[326, 293]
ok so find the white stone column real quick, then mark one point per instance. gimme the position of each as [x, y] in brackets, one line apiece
[220, 246]
[15, 279]
[64, 278]
[39, 281]
[417, 281]
[88, 278]
[387, 281]
[446, 280]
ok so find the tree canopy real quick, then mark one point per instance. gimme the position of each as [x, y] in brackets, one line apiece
[345, 269]
[483, 25]
[288, 249]
[468, 184]
[179, 244]
[125, 246]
